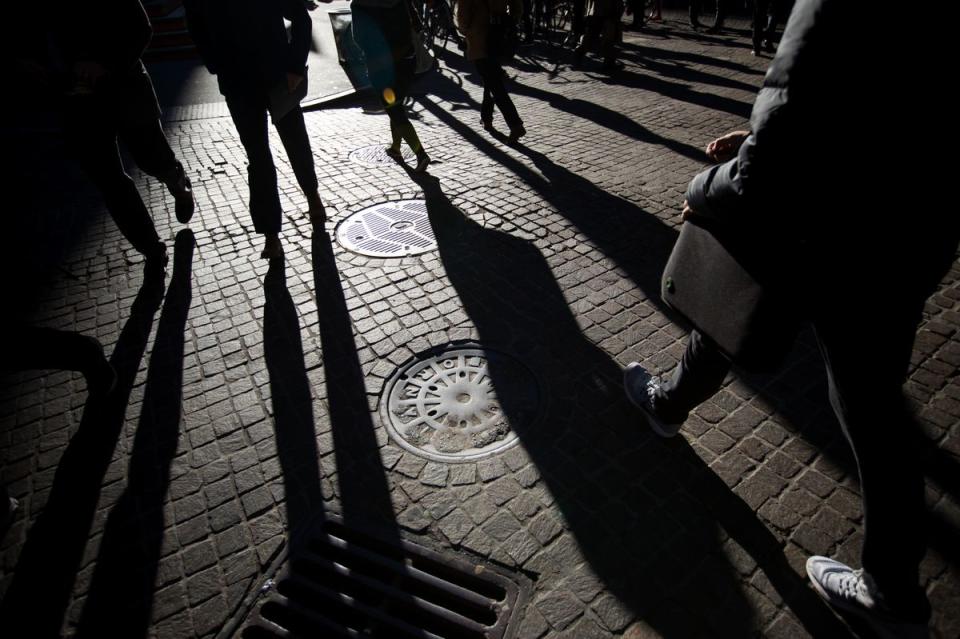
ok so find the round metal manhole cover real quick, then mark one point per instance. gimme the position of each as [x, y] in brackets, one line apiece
[374, 156]
[444, 406]
[391, 229]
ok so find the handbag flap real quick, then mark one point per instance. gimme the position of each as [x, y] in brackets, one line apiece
[710, 280]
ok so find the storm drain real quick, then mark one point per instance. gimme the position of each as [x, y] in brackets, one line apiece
[374, 156]
[347, 584]
[391, 229]
[444, 405]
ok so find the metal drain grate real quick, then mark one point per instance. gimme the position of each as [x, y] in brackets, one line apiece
[347, 584]
[375, 155]
[391, 229]
[443, 405]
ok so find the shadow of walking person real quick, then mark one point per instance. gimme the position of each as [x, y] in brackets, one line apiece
[650, 518]
[331, 584]
[361, 478]
[293, 418]
[120, 600]
[36, 600]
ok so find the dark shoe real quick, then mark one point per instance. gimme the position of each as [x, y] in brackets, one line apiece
[713, 30]
[768, 46]
[642, 389]
[422, 161]
[516, 134]
[853, 591]
[182, 192]
[394, 154]
[612, 66]
[487, 125]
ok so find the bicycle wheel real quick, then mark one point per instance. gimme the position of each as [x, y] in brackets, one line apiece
[559, 21]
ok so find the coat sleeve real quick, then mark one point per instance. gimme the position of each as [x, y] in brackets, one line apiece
[301, 35]
[200, 33]
[759, 176]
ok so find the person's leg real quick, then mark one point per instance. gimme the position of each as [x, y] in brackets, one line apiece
[698, 375]
[486, 106]
[293, 134]
[666, 403]
[399, 122]
[250, 118]
[866, 366]
[151, 151]
[93, 141]
[38, 348]
[492, 74]
[695, 13]
[760, 8]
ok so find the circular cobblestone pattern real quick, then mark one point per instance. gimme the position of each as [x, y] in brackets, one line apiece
[390, 229]
[375, 155]
[444, 406]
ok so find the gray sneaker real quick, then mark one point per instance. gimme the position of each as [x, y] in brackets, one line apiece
[854, 591]
[641, 388]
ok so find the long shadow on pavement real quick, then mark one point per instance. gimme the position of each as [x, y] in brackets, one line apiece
[361, 478]
[36, 601]
[649, 516]
[293, 418]
[120, 600]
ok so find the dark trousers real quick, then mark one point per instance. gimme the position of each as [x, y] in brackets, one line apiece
[866, 366]
[249, 115]
[93, 134]
[766, 15]
[495, 92]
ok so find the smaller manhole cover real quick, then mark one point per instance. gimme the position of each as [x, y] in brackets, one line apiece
[391, 229]
[444, 406]
[374, 156]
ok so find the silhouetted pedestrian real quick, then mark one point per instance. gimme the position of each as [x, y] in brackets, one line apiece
[383, 30]
[476, 19]
[110, 96]
[603, 27]
[261, 70]
[789, 191]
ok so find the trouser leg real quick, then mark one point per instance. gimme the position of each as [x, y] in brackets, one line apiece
[250, 118]
[492, 74]
[293, 134]
[866, 367]
[698, 375]
[151, 151]
[94, 143]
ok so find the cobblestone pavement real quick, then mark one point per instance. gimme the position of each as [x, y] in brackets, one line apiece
[244, 409]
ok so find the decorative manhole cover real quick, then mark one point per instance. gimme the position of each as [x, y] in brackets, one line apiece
[376, 155]
[391, 229]
[444, 405]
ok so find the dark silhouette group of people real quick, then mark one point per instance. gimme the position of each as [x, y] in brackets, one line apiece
[779, 184]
